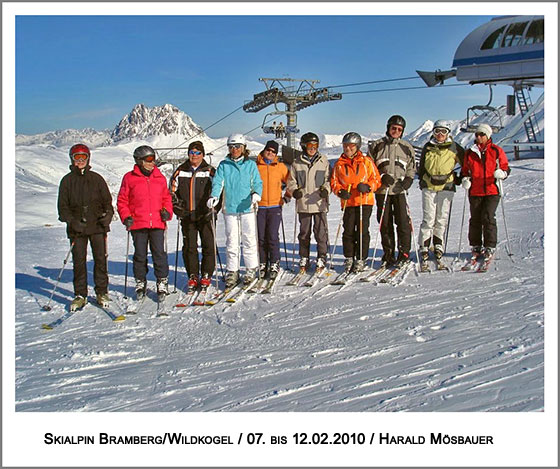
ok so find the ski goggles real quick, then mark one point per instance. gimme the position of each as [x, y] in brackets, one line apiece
[236, 146]
[480, 134]
[311, 145]
[440, 131]
[194, 153]
[79, 157]
[149, 159]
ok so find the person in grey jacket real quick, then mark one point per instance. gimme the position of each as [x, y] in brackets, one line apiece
[308, 183]
[394, 158]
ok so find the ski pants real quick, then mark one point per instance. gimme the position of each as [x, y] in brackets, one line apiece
[320, 230]
[351, 233]
[155, 238]
[79, 256]
[483, 221]
[191, 231]
[395, 214]
[241, 227]
[268, 221]
[435, 215]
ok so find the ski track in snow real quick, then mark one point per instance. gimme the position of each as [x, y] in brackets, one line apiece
[461, 341]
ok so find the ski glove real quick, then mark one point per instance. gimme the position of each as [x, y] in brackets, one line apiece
[255, 198]
[323, 192]
[363, 188]
[128, 222]
[212, 202]
[298, 194]
[165, 215]
[179, 207]
[105, 219]
[286, 199]
[77, 225]
[387, 180]
[457, 179]
[500, 174]
[344, 194]
[466, 183]
[407, 182]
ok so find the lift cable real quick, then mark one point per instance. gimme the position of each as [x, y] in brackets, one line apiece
[407, 88]
[375, 81]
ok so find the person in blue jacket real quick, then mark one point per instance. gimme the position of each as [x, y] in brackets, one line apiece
[239, 179]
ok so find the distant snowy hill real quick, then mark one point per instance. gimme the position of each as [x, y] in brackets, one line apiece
[68, 137]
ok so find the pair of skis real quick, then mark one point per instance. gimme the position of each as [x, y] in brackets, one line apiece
[478, 263]
[106, 308]
[312, 280]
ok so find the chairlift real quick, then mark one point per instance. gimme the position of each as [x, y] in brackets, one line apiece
[474, 112]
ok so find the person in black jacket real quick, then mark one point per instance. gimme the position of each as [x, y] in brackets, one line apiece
[191, 186]
[85, 205]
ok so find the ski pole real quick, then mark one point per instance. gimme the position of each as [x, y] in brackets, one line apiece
[412, 229]
[447, 227]
[284, 239]
[294, 243]
[126, 262]
[338, 230]
[47, 306]
[215, 247]
[361, 226]
[461, 232]
[255, 210]
[380, 223]
[176, 256]
[500, 188]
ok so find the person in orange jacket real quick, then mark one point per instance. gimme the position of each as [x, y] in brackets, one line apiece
[269, 217]
[355, 179]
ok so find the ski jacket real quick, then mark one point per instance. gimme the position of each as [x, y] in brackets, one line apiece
[238, 180]
[352, 171]
[193, 187]
[437, 162]
[142, 197]
[310, 175]
[273, 174]
[480, 166]
[394, 157]
[84, 196]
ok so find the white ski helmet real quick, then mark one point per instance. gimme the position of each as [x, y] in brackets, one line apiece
[236, 139]
[442, 124]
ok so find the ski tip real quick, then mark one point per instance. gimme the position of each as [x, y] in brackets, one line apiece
[46, 308]
[46, 327]
[181, 305]
[119, 318]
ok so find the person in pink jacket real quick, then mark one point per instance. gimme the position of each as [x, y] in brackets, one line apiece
[144, 206]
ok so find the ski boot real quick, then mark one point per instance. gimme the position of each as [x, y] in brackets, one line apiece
[192, 284]
[162, 286]
[274, 270]
[348, 264]
[232, 277]
[321, 263]
[140, 289]
[303, 264]
[402, 259]
[78, 303]
[438, 251]
[263, 270]
[205, 281]
[250, 276]
[489, 253]
[103, 300]
[359, 266]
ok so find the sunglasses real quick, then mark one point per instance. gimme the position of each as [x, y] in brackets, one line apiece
[395, 128]
[441, 131]
[80, 157]
[236, 146]
[195, 153]
[480, 134]
[150, 159]
[272, 150]
[311, 145]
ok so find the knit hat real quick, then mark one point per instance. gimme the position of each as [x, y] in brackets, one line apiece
[484, 129]
[272, 144]
[197, 145]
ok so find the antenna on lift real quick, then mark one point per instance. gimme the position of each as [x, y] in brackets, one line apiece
[295, 97]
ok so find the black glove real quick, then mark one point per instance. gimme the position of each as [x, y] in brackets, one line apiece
[105, 219]
[286, 199]
[128, 222]
[457, 179]
[398, 187]
[78, 225]
[344, 194]
[165, 215]
[298, 194]
[363, 188]
[387, 180]
[407, 182]
[179, 207]
[323, 192]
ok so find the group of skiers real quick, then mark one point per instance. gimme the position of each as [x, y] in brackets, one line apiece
[251, 196]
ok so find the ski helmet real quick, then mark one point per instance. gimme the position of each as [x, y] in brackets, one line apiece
[442, 124]
[396, 120]
[308, 137]
[79, 149]
[143, 152]
[236, 139]
[353, 137]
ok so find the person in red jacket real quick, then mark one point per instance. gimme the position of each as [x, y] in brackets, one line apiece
[484, 165]
[144, 206]
[355, 178]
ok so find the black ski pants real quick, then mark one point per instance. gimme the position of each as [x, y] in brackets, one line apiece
[482, 225]
[79, 255]
[268, 225]
[320, 230]
[155, 238]
[351, 233]
[395, 214]
[191, 231]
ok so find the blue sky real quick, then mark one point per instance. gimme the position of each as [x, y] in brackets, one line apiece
[89, 71]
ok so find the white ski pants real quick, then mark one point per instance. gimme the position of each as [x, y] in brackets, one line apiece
[241, 226]
[435, 208]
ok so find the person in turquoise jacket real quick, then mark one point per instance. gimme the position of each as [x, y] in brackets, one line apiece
[239, 179]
